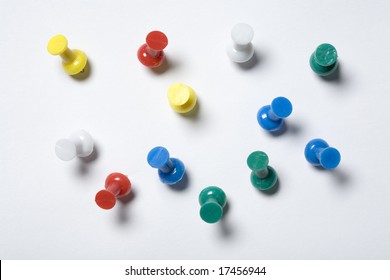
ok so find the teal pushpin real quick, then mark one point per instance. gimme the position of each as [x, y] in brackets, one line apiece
[323, 61]
[212, 200]
[263, 176]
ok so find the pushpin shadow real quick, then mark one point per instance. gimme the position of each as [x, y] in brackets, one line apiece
[289, 127]
[93, 156]
[334, 77]
[182, 184]
[225, 227]
[193, 114]
[273, 190]
[123, 216]
[340, 177]
[83, 75]
[164, 67]
[85, 161]
[251, 63]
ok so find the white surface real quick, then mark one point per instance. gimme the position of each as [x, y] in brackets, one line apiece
[47, 208]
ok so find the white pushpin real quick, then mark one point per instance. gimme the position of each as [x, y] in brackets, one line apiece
[79, 143]
[241, 49]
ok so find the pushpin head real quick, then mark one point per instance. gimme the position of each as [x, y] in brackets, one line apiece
[271, 117]
[212, 200]
[79, 143]
[57, 45]
[105, 199]
[117, 185]
[240, 49]
[170, 170]
[281, 107]
[158, 157]
[73, 61]
[65, 149]
[151, 54]
[263, 176]
[242, 34]
[318, 153]
[156, 40]
[323, 61]
[181, 97]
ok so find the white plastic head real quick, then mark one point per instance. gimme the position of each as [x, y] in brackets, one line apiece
[65, 149]
[242, 34]
[79, 143]
[241, 49]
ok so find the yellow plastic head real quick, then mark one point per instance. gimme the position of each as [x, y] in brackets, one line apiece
[181, 97]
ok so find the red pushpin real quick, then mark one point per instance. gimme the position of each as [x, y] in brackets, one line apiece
[117, 185]
[151, 54]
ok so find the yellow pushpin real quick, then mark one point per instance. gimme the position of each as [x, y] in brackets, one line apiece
[73, 61]
[181, 97]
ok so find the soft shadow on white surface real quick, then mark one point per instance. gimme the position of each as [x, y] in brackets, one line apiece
[123, 203]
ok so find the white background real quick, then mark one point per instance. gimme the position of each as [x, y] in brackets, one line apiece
[47, 208]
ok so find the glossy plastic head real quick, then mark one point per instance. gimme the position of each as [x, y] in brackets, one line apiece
[151, 54]
[270, 117]
[318, 153]
[263, 177]
[156, 40]
[323, 61]
[117, 185]
[212, 200]
[181, 98]
[281, 107]
[170, 170]
[73, 61]
[241, 49]
[79, 143]
[57, 45]
[242, 34]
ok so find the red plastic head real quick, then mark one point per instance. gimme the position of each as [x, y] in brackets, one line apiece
[117, 185]
[151, 54]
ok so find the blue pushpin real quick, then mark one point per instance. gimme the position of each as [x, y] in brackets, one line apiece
[318, 153]
[270, 117]
[170, 170]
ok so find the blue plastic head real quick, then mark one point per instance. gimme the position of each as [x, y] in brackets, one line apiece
[318, 153]
[281, 107]
[170, 170]
[270, 117]
[158, 157]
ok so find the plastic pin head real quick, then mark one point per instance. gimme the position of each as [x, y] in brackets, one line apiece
[212, 200]
[117, 185]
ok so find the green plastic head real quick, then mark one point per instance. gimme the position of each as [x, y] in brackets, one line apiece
[263, 177]
[325, 55]
[324, 59]
[212, 200]
[257, 161]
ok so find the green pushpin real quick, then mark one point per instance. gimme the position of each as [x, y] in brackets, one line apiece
[263, 177]
[323, 61]
[212, 200]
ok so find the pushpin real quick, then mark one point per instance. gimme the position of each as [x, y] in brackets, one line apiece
[241, 49]
[212, 200]
[318, 153]
[170, 170]
[117, 185]
[73, 61]
[323, 61]
[151, 54]
[263, 176]
[181, 97]
[79, 143]
[270, 117]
